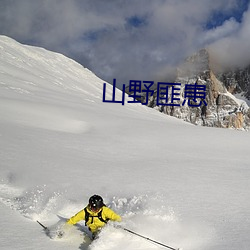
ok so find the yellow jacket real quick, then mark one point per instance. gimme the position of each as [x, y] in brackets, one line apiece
[94, 223]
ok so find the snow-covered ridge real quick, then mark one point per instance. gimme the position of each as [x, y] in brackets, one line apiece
[26, 69]
[35, 75]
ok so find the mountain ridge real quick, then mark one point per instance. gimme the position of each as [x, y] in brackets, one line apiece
[223, 108]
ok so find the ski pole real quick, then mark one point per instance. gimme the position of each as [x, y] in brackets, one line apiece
[146, 238]
[45, 228]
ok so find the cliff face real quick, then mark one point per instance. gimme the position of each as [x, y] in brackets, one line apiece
[223, 109]
[237, 81]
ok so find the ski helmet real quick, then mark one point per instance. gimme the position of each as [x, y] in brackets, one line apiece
[95, 202]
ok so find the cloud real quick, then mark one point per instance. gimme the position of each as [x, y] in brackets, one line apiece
[131, 39]
[233, 49]
[229, 27]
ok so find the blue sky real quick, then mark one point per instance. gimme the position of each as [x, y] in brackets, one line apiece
[131, 39]
[218, 17]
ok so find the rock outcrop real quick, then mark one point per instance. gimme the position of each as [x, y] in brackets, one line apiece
[223, 109]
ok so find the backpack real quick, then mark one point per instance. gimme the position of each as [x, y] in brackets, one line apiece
[88, 216]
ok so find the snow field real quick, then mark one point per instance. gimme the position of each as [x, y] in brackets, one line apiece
[181, 185]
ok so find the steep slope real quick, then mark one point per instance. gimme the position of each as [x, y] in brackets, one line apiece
[183, 185]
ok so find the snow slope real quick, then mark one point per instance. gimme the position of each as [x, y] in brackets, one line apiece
[176, 183]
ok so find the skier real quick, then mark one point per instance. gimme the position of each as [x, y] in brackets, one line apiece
[95, 214]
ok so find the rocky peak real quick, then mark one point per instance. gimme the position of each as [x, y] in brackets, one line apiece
[197, 64]
[223, 108]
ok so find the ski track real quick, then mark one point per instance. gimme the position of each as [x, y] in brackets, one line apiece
[145, 214]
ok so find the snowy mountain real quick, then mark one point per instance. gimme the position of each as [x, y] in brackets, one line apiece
[183, 185]
[222, 108]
